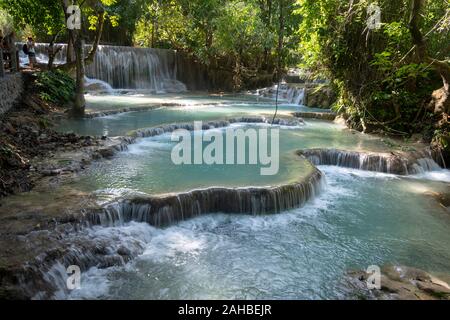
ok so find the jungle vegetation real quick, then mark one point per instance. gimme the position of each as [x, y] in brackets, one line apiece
[393, 78]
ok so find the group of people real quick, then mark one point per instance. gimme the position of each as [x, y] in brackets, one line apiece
[7, 43]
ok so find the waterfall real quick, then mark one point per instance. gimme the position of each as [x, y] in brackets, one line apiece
[102, 238]
[42, 54]
[44, 277]
[153, 70]
[296, 96]
[291, 94]
[95, 85]
[412, 163]
[159, 130]
[165, 210]
[136, 68]
[425, 165]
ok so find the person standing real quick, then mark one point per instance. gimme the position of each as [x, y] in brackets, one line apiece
[31, 52]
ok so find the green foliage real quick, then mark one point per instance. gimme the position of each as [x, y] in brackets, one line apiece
[46, 17]
[56, 87]
[6, 23]
[377, 75]
[238, 36]
[162, 25]
[239, 29]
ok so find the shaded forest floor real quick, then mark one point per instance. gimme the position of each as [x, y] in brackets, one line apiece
[25, 133]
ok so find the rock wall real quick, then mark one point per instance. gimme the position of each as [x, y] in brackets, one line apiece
[11, 88]
[321, 96]
[329, 116]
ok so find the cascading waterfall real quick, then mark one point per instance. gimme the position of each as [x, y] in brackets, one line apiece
[77, 244]
[87, 243]
[153, 70]
[425, 165]
[155, 131]
[165, 210]
[291, 94]
[95, 85]
[136, 68]
[42, 53]
[296, 95]
[413, 163]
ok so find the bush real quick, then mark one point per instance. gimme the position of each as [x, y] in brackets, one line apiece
[56, 86]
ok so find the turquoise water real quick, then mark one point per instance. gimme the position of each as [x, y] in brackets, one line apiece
[194, 108]
[147, 165]
[135, 98]
[361, 219]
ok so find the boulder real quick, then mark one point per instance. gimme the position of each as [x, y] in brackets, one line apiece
[400, 283]
[320, 97]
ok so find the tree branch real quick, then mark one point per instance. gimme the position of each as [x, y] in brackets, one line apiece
[90, 57]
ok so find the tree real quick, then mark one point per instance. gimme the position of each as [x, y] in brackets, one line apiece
[240, 33]
[421, 49]
[236, 39]
[2, 70]
[51, 16]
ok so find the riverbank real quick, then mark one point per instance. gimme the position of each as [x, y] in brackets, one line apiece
[400, 283]
[28, 138]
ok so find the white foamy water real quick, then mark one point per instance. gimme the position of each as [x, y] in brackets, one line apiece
[98, 86]
[438, 175]
[361, 219]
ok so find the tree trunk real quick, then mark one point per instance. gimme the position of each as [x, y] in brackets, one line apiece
[79, 106]
[71, 64]
[267, 9]
[98, 37]
[237, 76]
[414, 29]
[14, 62]
[154, 27]
[442, 67]
[70, 41]
[280, 39]
[70, 48]
[52, 52]
[2, 69]
[51, 58]
[421, 47]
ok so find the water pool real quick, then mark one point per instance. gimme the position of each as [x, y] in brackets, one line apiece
[192, 108]
[147, 166]
[362, 219]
